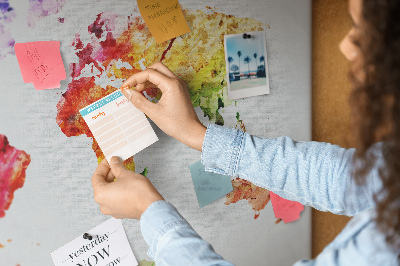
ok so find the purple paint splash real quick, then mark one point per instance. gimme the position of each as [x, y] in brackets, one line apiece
[39, 9]
[7, 14]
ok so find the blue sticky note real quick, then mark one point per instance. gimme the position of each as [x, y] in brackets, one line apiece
[209, 186]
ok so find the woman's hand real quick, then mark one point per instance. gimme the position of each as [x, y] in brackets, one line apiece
[128, 196]
[174, 112]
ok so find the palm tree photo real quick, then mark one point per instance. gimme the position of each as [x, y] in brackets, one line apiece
[255, 59]
[239, 54]
[250, 51]
[247, 60]
[230, 59]
[262, 59]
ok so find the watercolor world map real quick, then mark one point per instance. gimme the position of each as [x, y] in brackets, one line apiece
[13, 164]
[113, 55]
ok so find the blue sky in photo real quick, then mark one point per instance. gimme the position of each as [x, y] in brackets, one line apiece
[248, 47]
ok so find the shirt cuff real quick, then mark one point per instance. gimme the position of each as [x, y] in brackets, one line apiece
[158, 219]
[222, 148]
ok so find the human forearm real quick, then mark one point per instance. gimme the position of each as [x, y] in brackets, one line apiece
[312, 173]
[173, 241]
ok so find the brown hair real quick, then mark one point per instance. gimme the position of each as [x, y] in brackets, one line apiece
[375, 101]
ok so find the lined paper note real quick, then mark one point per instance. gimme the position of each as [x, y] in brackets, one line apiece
[118, 126]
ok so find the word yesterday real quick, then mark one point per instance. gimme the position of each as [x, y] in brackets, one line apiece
[89, 246]
[110, 248]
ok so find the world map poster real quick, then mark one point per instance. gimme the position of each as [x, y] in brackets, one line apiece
[53, 152]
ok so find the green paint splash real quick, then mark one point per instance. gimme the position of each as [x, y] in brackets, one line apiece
[145, 172]
[146, 263]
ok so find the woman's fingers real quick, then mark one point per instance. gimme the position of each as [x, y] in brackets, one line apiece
[141, 103]
[143, 86]
[110, 177]
[100, 174]
[149, 75]
[160, 67]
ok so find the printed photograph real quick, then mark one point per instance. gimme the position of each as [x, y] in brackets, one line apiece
[246, 64]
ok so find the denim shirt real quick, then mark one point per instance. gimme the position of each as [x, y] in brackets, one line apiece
[312, 173]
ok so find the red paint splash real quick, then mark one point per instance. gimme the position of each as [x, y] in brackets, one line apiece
[13, 164]
[83, 91]
[244, 190]
[168, 48]
[96, 27]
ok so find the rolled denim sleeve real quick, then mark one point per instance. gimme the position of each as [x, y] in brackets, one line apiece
[172, 241]
[313, 173]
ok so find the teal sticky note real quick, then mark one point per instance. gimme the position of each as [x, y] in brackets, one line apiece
[209, 186]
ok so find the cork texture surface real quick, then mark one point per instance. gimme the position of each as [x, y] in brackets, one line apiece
[330, 99]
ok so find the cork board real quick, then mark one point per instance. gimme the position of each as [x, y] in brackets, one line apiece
[330, 97]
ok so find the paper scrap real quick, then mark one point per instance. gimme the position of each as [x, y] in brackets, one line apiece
[209, 186]
[164, 18]
[284, 209]
[109, 246]
[41, 63]
[118, 126]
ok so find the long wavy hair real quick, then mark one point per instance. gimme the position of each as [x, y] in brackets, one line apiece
[375, 103]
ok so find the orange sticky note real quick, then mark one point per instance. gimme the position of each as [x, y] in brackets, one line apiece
[164, 18]
[41, 63]
[284, 209]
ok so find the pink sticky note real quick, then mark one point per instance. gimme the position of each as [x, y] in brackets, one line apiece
[284, 209]
[41, 63]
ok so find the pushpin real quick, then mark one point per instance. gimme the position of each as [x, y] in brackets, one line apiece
[87, 236]
[246, 36]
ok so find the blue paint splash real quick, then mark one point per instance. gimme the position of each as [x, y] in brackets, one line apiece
[7, 14]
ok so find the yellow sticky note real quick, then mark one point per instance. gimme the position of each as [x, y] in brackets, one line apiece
[164, 18]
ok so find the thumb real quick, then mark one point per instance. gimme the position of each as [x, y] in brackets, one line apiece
[117, 167]
[139, 101]
[99, 176]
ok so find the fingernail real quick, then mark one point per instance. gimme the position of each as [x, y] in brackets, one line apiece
[115, 160]
[124, 88]
[128, 93]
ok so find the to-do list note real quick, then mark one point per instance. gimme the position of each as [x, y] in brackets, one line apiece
[118, 126]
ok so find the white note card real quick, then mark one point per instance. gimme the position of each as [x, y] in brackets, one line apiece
[109, 247]
[118, 126]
